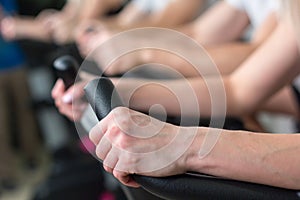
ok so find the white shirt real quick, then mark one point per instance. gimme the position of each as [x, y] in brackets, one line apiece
[149, 6]
[257, 10]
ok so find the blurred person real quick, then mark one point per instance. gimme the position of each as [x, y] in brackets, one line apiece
[269, 159]
[138, 14]
[227, 55]
[15, 107]
[260, 77]
[58, 26]
[221, 37]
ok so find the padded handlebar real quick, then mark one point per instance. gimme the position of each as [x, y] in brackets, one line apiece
[99, 93]
[102, 96]
[66, 68]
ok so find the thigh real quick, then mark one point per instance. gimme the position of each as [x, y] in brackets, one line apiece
[4, 112]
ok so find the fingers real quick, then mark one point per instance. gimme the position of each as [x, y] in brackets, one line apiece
[98, 132]
[126, 179]
[69, 103]
[58, 89]
[103, 148]
[111, 160]
[103, 135]
[75, 93]
[8, 28]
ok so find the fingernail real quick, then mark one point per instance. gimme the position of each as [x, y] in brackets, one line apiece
[67, 98]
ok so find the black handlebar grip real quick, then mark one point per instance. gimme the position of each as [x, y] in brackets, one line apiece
[66, 68]
[102, 96]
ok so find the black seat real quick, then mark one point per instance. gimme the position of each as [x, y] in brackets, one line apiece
[191, 186]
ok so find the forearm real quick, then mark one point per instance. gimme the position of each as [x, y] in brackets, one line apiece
[226, 58]
[29, 28]
[210, 29]
[175, 14]
[197, 93]
[177, 97]
[259, 158]
[230, 56]
[283, 102]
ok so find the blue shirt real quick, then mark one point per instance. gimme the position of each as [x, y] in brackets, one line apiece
[11, 56]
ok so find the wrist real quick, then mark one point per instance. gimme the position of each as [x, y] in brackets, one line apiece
[193, 162]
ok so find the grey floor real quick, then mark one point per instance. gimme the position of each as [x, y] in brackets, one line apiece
[28, 180]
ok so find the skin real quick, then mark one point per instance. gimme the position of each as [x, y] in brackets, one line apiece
[224, 55]
[130, 18]
[252, 157]
[57, 26]
[238, 85]
[225, 49]
[69, 102]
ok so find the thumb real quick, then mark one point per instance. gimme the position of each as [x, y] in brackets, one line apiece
[74, 93]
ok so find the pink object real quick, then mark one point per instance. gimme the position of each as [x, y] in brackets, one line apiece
[86, 145]
[107, 196]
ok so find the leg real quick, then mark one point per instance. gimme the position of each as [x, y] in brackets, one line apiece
[27, 125]
[7, 163]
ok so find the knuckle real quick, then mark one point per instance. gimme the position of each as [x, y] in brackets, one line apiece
[117, 174]
[99, 152]
[108, 169]
[121, 110]
[93, 134]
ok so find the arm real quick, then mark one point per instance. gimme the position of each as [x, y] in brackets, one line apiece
[258, 158]
[230, 26]
[264, 73]
[283, 102]
[176, 13]
[64, 24]
[132, 143]
[227, 56]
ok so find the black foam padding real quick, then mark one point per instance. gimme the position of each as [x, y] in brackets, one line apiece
[66, 68]
[210, 188]
[102, 96]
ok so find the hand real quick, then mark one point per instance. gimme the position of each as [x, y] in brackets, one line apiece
[8, 28]
[13, 28]
[59, 24]
[129, 142]
[91, 34]
[70, 103]
[62, 28]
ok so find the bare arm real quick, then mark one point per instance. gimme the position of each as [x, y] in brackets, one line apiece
[222, 23]
[258, 158]
[270, 159]
[176, 13]
[264, 73]
[227, 57]
[283, 102]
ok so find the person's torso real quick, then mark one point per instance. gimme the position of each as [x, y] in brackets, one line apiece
[11, 55]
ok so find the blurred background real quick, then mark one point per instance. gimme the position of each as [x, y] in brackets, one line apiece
[41, 155]
[49, 162]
